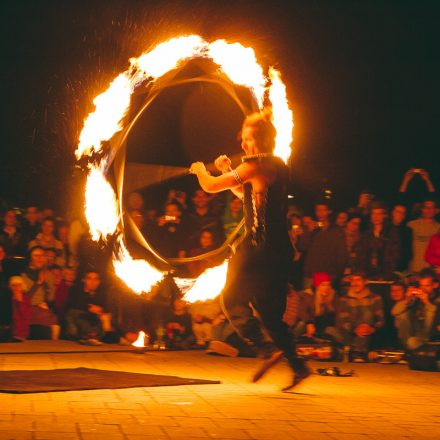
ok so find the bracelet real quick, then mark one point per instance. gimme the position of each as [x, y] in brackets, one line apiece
[237, 177]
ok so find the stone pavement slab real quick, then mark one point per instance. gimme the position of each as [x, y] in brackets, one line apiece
[381, 401]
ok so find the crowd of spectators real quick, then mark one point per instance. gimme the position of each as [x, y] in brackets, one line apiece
[365, 278]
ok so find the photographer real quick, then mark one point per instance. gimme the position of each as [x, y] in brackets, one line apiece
[414, 316]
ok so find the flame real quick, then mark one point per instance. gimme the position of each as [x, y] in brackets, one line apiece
[241, 66]
[138, 275]
[101, 206]
[106, 120]
[165, 56]
[207, 286]
[140, 341]
[282, 116]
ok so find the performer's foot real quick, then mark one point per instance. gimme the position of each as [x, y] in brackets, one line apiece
[267, 365]
[299, 376]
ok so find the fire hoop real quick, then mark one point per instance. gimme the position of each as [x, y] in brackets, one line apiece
[103, 139]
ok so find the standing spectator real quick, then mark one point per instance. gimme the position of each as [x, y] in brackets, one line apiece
[359, 315]
[200, 218]
[398, 215]
[86, 319]
[432, 254]
[423, 229]
[21, 306]
[378, 249]
[39, 283]
[47, 240]
[31, 224]
[414, 316]
[352, 236]
[324, 248]
[363, 207]
[341, 219]
[418, 192]
[10, 236]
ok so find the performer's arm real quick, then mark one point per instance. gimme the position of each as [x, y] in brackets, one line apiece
[232, 180]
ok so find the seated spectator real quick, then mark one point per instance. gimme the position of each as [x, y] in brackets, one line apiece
[398, 215]
[86, 317]
[358, 316]
[31, 224]
[178, 326]
[226, 341]
[206, 244]
[64, 280]
[21, 309]
[324, 299]
[171, 234]
[414, 316]
[39, 284]
[423, 229]
[66, 256]
[47, 240]
[233, 215]
[378, 249]
[11, 238]
[5, 299]
[299, 313]
[203, 315]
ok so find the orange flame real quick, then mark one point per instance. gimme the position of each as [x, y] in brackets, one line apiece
[208, 285]
[138, 275]
[282, 116]
[240, 65]
[140, 341]
[101, 206]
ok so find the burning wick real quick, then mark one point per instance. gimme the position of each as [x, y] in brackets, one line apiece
[139, 344]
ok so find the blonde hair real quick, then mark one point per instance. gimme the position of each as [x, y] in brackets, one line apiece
[265, 131]
[17, 279]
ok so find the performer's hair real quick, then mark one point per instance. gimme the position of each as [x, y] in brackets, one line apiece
[264, 130]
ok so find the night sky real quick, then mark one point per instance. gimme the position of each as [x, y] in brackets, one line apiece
[362, 79]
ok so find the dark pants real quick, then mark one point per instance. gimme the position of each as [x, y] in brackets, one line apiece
[83, 325]
[258, 278]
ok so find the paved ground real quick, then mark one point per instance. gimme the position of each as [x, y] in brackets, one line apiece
[381, 402]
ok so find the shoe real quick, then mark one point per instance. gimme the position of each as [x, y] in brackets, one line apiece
[298, 377]
[90, 341]
[359, 359]
[16, 339]
[222, 348]
[267, 365]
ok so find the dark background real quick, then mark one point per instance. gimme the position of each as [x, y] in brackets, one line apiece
[362, 80]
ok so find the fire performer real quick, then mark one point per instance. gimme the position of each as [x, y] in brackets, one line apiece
[258, 270]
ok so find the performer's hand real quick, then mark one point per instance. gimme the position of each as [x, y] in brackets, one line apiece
[197, 168]
[223, 163]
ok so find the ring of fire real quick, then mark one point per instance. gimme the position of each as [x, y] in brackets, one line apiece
[105, 130]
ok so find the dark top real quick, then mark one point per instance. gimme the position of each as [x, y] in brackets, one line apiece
[80, 300]
[260, 265]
